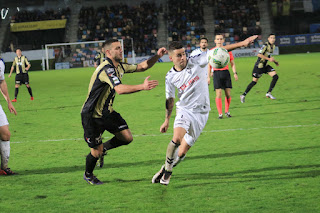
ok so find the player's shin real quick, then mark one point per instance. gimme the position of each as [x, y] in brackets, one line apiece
[90, 164]
[171, 149]
[249, 87]
[16, 91]
[273, 82]
[30, 91]
[227, 102]
[219, 105]
[5, 153]
[178, 159]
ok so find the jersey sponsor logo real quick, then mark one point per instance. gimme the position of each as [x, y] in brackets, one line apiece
[115, 80]
[110, 70]
[189, 83]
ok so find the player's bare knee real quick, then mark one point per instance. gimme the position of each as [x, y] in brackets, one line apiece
[177, 140]
[128, 140]
[5, 136]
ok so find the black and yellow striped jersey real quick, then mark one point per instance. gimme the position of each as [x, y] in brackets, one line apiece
[101, 91]
[99, 58]
[20, 63]
[265, 50]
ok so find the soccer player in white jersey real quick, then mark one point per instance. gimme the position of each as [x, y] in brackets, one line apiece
[189, 78]
[203, 47]
[4, 125]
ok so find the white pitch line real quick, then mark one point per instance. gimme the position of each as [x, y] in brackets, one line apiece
[156, 135]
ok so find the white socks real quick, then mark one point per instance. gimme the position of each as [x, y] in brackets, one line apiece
[5, 153]
[171, 150]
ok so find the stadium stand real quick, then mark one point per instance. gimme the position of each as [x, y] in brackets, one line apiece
[119, 22]
[28, 40]
[237, 20]
[185, 25]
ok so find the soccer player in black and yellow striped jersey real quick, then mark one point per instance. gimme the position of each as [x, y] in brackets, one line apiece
[22, 66]
[97, 113]
[99, 58]
[261, 68]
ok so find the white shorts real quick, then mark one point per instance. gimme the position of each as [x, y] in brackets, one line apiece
[192, 122]
[3, 118]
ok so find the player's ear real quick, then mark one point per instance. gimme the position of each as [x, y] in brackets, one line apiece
[170, 57]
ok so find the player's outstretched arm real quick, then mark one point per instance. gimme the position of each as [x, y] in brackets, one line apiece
[243, 43]
[4, 91]
[127, 89]
[143, 66]
[169, 107]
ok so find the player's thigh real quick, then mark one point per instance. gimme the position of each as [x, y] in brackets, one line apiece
[5, 133]
[178, 134]
[4, 126]
[273, 73]
[114, 123]
[124, 135]
[183, 148]
[92, 130]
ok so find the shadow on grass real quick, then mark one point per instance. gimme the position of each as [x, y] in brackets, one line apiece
[155, 162]
[293, 172]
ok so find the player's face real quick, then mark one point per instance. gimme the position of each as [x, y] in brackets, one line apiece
[272, 39]
[203, 44]
[116, 51]
[219, 40]
[18, 52]
[179, 58]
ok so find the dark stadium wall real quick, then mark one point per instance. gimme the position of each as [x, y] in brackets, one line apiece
[299, 49]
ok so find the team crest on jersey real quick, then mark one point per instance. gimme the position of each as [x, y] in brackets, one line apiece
[110, 70]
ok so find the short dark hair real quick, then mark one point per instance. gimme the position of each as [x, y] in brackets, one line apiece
[219, 34]
[204, 38]
[175, 45]
[271, 34]
[108, 42]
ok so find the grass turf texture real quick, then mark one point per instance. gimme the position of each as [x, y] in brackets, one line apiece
[263, 159]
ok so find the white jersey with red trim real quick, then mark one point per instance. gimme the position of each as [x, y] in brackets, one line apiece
[191, 83]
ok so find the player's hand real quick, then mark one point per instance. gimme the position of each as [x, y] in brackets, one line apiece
[208, 80]
[11, 108]
[9, 75]
[249, 40]
[271, 59]
[162, 51]
[148, 85]
[235, 75]
[164, 127]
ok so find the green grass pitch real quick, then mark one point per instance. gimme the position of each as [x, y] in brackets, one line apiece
[266, 158]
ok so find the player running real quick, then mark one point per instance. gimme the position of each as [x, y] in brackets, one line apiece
[188, 77]
[97, 113]
[4, 125]
[261, 68]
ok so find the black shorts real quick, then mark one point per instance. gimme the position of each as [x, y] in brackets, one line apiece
[222, 79]
[22, 78]
[94, 127]
[258, 72]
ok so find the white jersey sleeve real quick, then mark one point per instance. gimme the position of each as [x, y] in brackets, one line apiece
[2, 68]
[170, 88]
[201, 59]
[196, 52]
